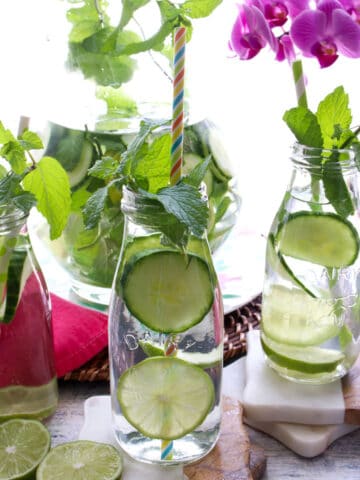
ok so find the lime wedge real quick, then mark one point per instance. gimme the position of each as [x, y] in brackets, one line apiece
[322, 238]
[292, 317]
[23, 445]
[165, 397]
[81, 460]
[168, 291]
[304, 359]
[203, 360]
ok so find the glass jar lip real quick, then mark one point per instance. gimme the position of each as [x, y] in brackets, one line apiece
[308, 157]
[11, 217]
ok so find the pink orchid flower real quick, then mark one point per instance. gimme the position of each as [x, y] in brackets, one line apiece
[324, 32]
[251, 33]
[285, 49]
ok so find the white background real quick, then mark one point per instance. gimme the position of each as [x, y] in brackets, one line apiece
[246, 98]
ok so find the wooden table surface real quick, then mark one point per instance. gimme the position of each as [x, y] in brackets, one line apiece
[341, 461]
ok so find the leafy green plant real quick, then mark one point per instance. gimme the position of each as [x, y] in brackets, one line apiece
[145, 168]
[26, 183]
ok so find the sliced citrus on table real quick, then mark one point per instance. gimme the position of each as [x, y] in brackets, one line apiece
[322, 238]
[165, 397]
[292, 317]
[81, 460]
[23, 445]
[303, 359]
[168, 291]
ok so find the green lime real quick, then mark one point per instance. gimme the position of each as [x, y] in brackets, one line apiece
[168, 291]
[81, 460]
[23, 445]
[292, 317]
[322, 238]
[165, 397]
[303, 359]
[203, 360]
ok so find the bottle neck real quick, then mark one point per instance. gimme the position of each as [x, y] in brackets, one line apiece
[12, 220]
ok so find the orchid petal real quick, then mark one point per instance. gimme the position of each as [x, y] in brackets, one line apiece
[295, 7]
[307, 29]
[347, 34]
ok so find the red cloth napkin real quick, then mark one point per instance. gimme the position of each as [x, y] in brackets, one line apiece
[79, 334]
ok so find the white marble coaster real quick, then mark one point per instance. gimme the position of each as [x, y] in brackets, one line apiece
[305, 440]
[269, 397]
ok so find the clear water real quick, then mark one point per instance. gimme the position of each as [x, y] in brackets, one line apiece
[126, 334]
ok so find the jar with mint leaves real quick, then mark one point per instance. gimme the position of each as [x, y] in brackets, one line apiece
[116, 70]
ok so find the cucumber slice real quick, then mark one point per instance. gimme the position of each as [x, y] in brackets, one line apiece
[14, 274]
[167, 291]
[293, 317]
[191, 160]
[79, 173]
[165, 397]
[322, 238]
[278, 264]
[305, 359]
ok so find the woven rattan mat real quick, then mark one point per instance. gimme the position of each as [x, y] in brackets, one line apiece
[237, 324]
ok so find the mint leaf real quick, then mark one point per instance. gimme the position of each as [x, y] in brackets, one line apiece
[197, 175]
[336, 190]
[94, 207]
[200, 8]
[14, 153]
[117, 100]
[80, 197]
[104, 168]
[129, 7]
[186, 204]
[304, 125]
[222, 208]
[334, 116]
[154, 163]
[25, 201]
[5, 135]
[9, 187]
[105, 69]
[49, 183]
[82, 30]
[30, 141]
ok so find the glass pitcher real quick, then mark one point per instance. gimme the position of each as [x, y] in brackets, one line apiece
[311, 310]
[28, 384]
[165, 341]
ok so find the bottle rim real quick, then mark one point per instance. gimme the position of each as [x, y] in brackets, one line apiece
[316, 158]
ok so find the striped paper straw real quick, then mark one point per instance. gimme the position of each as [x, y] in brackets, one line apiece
[177, 127]
[299, 80]
[167, 445]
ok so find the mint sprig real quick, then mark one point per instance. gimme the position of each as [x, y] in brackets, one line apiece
[330, 129]
[28, 183]
[145, 168]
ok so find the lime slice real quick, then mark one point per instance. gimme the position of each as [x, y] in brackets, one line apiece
[322, 238]
[28, 402]
[203, 360]
[278, 264]
[81, 460]
[23, 445]
[293, 317]
[165, 397]
[304, 359]
[168, 291]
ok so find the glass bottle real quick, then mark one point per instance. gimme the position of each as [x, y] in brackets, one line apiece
[28, 384]
[165, 341]
[310, 312]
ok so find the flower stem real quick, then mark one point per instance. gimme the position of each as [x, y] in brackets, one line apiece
[299, 81]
